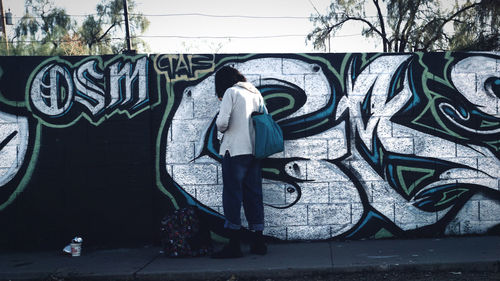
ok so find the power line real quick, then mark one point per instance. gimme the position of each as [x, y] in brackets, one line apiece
[186, 15]
[220, 16]
[233, 16]
[39, 17]
[234, 37]
[60, 41]
[220, 37]
[185, 37]
[198, 15]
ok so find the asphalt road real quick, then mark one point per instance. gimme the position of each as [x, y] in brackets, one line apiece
[386, 276]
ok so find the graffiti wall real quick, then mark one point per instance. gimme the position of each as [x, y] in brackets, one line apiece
[376, 145]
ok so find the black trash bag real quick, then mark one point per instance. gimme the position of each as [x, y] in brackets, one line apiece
[183, 234]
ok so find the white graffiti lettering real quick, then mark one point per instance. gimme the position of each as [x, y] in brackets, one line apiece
[50, 104]
[88, 90]
[57, 86]
[116, 77]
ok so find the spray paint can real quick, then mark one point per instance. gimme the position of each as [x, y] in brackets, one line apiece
[76, 246]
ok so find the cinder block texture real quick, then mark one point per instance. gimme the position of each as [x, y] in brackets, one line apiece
[388, 151]
[374, 144]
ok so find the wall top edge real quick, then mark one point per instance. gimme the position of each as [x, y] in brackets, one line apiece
[271, 54]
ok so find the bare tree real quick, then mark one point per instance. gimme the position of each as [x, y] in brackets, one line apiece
[415, 25]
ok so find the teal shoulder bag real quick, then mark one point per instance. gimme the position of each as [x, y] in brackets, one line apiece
[268, 134]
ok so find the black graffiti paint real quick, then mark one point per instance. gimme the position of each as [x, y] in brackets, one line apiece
[7, 140]
[99, 130]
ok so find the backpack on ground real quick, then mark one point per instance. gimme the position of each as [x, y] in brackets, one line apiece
[184, 235]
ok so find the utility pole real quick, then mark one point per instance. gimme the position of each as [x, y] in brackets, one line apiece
[3, 27]
[127, 28]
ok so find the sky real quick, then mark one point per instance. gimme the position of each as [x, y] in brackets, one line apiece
[170, 32]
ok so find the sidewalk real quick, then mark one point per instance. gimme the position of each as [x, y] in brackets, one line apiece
[451, 254]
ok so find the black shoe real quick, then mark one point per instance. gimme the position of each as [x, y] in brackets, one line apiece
[258, 245]
[228, 252]
[258, 249]
[232, 249]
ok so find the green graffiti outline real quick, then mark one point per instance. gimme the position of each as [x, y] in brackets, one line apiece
[401, 169]
[445, 195]
[271, 170]
[282, 95]
[493, 144]
[432, 96]
[340, 76]
[326, 120]
[168, 109]
[29, 170]
[11, 103]
[487, 124]
[383, 233]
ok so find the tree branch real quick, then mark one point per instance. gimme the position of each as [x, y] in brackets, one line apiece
[382, 25]
[106, 32]
[398, 27]
[438, 31]
[410, 22]
[348, 18]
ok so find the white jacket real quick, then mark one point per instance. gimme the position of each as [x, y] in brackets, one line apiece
[234, 119]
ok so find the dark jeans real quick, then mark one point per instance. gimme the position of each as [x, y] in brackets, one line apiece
[242, 178]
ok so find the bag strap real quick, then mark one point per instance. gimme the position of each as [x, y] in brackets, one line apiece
[262, 108]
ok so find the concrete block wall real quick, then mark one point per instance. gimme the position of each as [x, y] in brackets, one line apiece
[330, 203]
[376, 145]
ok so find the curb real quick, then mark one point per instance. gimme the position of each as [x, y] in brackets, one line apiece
[493, 267]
